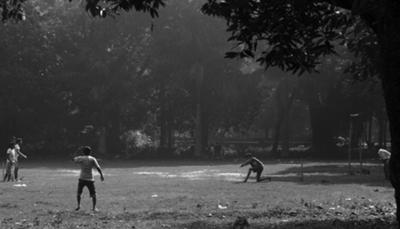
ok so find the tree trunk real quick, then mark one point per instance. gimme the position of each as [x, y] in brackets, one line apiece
[170, 139]
[369, 135]
[391, 84]
[380, 123]
[199, 147]
[266, 133]
[385, 124]
[284, 99]
[286, 135]
[204, 128]
[198, 133]
[389, 39]
[162, 120]
[113, 142]
[322, 131]
[277, 134]
[102, 143]
[113, 131]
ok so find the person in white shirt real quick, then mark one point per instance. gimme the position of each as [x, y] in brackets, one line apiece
[18, 152]
[10, 162]
[87, 163]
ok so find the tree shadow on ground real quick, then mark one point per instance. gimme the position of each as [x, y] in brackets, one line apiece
[131, 163]
[122, 163]
[371, 175]
[376, 223]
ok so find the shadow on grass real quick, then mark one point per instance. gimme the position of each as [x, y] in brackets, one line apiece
[130, 163]
[330, 173]
[371, 174]
[377, 223]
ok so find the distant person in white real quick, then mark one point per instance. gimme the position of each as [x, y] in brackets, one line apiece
[87, 163]
[18, 152]
[385, 157]
[9, 163]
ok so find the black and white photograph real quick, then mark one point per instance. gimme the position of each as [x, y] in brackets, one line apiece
[200, 114]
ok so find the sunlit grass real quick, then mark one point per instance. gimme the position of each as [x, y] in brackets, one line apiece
[199, 195]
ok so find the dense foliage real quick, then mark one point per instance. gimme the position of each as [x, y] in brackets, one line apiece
[109, 82]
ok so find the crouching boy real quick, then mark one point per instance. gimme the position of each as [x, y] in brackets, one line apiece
[256, 166]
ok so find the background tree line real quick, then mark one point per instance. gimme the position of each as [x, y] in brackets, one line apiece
[134, 85]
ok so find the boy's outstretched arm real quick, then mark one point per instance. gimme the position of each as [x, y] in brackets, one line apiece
[101, 173]
[18, 150]
[245, 163]
[75, 159]
[76, 154]
[21, 154]
[99, 170]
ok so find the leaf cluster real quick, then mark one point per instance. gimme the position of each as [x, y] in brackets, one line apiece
[12, 9]
[293, 34]
[104, 8]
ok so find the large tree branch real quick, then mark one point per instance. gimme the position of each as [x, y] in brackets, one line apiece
[369, 10]
[345, 4]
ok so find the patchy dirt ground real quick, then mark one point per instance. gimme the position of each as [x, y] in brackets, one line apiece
[200, 195]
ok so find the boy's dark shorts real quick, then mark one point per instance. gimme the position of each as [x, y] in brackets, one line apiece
[89, 185]
[257, 170]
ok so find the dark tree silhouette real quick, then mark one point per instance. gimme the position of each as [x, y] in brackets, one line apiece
[293, 35]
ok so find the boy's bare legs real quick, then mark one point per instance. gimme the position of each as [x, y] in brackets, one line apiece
[16, 168]
[259, 176]
[6, 177]
[11, 176]
[78, 199]
[94, 200]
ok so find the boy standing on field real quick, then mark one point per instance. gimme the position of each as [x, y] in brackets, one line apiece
[87, 163]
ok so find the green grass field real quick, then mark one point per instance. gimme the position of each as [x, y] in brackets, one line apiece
[199, 195]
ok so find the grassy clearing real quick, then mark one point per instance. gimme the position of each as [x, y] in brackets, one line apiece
[200, 195]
